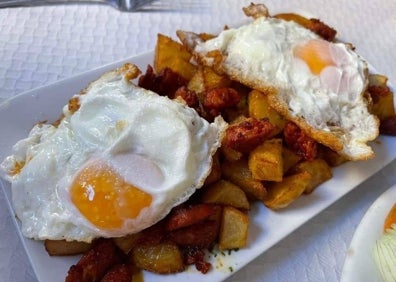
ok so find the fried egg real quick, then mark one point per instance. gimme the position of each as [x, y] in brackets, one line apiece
[319, 85]
[115, 166]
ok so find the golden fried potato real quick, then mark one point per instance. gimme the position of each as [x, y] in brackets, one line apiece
[377, 80]
[172, 54]
[331, 157]
[126, 243]
[266, 161]
[214, 80]
[319, 170]
[215, 172]
[162, 258]
[238, 173]
[230, 154]
[290, 158]
[234, 229]
[259, 108]
[382, 97]
[224, 192]
[281, 194]
[197, 82]
[65, 248]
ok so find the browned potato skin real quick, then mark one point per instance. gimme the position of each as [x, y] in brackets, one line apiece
[65, 248]
[126, 243]
[234, 229]
[224, 192]
[230, 154]
[282, 194]
[331, 157]
[259, 108]
[162, 258]
[238, 173]
[215, 172]
[266, 161]
[319, 170]
[172, 54]
[290, 159]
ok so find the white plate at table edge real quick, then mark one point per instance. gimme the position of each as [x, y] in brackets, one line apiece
[359, 263]
[266, 227]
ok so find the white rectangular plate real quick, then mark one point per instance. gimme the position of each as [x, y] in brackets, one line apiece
[267, 227]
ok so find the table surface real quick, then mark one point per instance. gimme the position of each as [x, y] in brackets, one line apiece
[41, 45]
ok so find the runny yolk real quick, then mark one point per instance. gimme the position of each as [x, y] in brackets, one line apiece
[316, 53]
[104, 198]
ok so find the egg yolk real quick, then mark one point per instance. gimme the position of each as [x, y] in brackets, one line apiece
[316, 54]
[390, 218]
[104, 198]
[18, 166]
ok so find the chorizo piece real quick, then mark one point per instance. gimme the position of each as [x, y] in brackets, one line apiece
[248, 134]
[119, 273]
[184, 216]
[388, 126]
[221, 98]
[189, 96]
[94, 264]
[202, 235]
[301, 143]
[378, 91]
[165, 83]
[196, 256]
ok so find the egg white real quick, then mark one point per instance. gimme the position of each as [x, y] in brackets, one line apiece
[159, 145]
[261, 55]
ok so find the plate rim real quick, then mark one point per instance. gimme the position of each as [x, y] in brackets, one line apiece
[376, 213]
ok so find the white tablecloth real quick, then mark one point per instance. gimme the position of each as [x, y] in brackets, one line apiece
[41, 45]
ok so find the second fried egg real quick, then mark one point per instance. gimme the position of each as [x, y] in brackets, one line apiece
[320, 85]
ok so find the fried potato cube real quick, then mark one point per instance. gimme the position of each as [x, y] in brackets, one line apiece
[238, 172]
[197, 83]
[126, 243]
[266, 161]
[382, 97]
[234, 229]
[214, 80]
[259, 108]
[319, 170]
[290, 158]
[162, 258]
[331, 157]
[281, 194]
[230, 154]
[224, 192]
[172, 54]
[215, 172]
[65, 248]
[377, 80]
